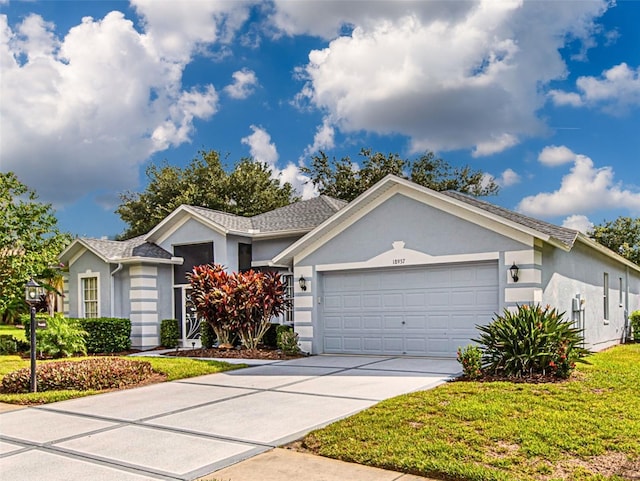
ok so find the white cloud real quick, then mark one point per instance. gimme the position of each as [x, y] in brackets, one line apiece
[263, 150]
[449, 75]
[324, 138]
[81, 112]
[578, 222]
[508, 177]
[615, 91]
[244, 82]
[585, 189]
[261, 147]
[553, 155]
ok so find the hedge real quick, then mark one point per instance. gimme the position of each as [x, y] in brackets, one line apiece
[105, 334]
[169, 333]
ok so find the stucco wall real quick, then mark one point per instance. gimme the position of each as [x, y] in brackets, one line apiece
[85, 264]
[420, 226]
[193, 232]
[581, 271]
[266, 249]
[232, 251]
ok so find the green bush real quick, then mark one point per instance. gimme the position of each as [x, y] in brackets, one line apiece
[530, 341]
[270, 338]
[471, 359]
[62, 338]
[11, 345]
[169, 333]
[634, 318]
[89, 374]
[287, 340]
[207, 335]
[107, 334]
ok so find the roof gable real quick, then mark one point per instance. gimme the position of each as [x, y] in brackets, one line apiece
[458, 204]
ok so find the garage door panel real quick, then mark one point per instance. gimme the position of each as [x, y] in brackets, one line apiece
[415, 311]
[351, 301]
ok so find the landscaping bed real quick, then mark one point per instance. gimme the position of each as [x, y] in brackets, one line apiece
[584, 429]
[216, 353]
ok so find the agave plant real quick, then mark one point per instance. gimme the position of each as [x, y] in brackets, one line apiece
[531, 340]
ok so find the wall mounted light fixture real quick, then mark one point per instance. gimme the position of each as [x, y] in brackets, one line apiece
[514, 269]
[302, 282]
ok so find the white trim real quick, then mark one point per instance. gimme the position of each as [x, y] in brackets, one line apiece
[399, 257]
[391, 185]
[88, 274]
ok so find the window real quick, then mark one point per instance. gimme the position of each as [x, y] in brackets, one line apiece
[620, 292]
[244, 257]
[605, 288]
[193, 255]
[90, 302]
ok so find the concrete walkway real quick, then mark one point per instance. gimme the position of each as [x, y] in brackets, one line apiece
[188, 429]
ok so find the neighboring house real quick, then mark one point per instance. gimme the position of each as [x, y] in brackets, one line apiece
[401, 270]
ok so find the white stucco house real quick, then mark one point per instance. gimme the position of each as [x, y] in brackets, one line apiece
[401, 270]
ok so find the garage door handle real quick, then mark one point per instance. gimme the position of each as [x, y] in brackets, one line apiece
[403, 322]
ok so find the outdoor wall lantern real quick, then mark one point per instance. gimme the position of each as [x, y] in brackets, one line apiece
[302, 282]
[32, 293]
[514, 269]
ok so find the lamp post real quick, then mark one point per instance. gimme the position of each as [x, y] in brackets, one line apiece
[32, 293]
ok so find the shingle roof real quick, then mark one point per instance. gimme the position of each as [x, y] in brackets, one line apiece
[302, 215]
[305, 214]
[136, 247]
[562, 234]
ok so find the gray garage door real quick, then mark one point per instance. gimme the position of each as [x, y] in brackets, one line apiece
[426, 311]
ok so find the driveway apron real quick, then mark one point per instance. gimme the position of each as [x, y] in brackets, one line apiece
[186, 429]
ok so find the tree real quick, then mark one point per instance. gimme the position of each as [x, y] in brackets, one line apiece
[346, 180]
[30, 243]
[248, 189]
[621, 235]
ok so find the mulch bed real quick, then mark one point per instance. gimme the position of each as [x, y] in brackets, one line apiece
[269, 354]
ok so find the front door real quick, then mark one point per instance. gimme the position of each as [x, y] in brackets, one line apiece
[190, 321]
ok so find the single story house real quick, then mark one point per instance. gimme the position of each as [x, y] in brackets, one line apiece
[401, 270]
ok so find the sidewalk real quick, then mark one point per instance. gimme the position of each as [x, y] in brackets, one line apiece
[283, 464]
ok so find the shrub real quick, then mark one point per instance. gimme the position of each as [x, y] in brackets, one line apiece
[241, 303]
[287, 340]
[62, 338]
[25, 320]
[530, 341]
[207, 336]
[169, 333]
[89, 374]
[471, 359]
[107, 334]
[11, 345]
[270, 338]
[634, 318]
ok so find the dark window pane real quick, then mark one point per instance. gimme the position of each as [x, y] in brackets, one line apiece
[193, 255]
[244, 257]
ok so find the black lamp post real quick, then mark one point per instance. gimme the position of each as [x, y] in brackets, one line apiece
[32, 293]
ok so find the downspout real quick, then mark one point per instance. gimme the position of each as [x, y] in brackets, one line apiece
[113, 288]
[627, 327]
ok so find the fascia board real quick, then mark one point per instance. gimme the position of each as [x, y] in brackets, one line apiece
[177, 219]
[149, 260]
[586, 240]
[311, 237]
[83, 244]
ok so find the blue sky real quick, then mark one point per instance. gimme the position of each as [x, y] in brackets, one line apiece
[543, 96]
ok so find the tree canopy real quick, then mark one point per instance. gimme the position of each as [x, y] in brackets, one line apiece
[30, 243]
[248, 189]
[346, 180]
[621, 235]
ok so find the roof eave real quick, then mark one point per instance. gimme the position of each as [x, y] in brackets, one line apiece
[82, 243]
[164, 227]
[585, 239]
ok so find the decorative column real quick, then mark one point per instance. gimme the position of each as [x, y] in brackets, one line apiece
[143, 300]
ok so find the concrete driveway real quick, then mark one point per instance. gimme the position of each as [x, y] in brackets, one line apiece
[187, 429]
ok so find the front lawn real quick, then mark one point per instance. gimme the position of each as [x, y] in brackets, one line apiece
[172, 368]
[585, 429]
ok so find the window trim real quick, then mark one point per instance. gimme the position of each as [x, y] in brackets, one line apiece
[81, 300]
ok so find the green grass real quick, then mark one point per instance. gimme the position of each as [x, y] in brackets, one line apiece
[11, 330]
[173, 368]
[502, 431]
